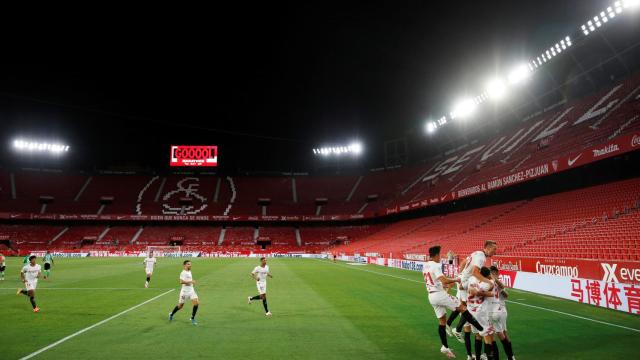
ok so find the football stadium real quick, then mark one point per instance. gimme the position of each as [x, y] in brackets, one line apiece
[326, 181]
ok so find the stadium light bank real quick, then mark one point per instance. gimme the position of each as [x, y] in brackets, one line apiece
[28, 146]
[354, 148]
[496, 89]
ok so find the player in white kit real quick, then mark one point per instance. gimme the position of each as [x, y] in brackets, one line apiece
[480, 304]
[260, 274]
[498, 313]
[29, 275]
[471, 267]
[187, 292]
[149, 262]
[441, 300]
[2, 266]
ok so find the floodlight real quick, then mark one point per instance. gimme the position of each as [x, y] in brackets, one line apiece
[431, 127]
[463, 108]
[35, 146]
[496, 89]
[519, 74]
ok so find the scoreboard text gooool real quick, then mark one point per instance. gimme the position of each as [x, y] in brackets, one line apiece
[190, 155]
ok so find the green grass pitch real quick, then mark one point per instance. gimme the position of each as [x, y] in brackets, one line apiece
[321, 310]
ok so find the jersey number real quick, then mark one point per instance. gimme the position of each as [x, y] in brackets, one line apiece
[428, 279]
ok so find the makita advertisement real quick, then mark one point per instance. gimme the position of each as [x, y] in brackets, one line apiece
[627, 272]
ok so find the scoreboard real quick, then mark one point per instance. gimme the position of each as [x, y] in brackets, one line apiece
[193, 155]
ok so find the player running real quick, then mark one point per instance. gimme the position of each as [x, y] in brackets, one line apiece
[48, 262]
[3, 266]
[498, 313]
[479, 294]
[187, 292]
[149, 262]
[259, 274]
[471, 267]
[441, 300]
[29, 276]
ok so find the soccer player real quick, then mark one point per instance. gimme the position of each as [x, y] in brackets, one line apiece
[441, 300]
[25, 260]
[29, 276]
[479, 293]
[149, 263]
[3, 266]
[48, 262]
[470, 267]
[187, 292]
[260, 274]
[499, 313]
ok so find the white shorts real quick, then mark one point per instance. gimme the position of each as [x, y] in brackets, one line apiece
[462, 294]
[31, 285]
[149, 271]
[262, 287]
[483, 319]
[441, 301]
[187, 294]
[499, 321]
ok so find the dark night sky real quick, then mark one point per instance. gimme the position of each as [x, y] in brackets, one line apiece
[121, 88]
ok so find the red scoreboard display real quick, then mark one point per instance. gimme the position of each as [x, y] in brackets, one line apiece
[192, 155]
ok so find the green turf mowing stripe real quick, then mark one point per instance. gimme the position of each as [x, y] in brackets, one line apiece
[575, 316]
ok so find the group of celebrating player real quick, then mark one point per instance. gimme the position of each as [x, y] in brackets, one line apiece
[480, 300]
[480, 297]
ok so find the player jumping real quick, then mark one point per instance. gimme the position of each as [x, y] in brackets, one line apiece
[187, 292]
[149, 263]
[441, 300]
[259, 274]
[470, 267]
[29, 276]
[48, 262]
[499, 314]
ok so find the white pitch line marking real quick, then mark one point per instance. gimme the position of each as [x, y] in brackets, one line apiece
[515, 302]
[140, 288]
[93, 326]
